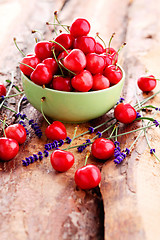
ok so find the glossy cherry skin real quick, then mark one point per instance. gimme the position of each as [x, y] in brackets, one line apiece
[147, 84]
[95, 63]
[83, 81]
[111, 59]
[61, 84]
[99, 48]
[65, 40]
[87, 177]
[62, 160]
[8, 148]
[32, 61]
[80, 27]
[63, 54]
[56, 131]
[41, 75]
[75, 61]
[85, 43]
[2, 90]
[125, 113]
[17, 132]
[43, 50]
[113, 73]
[100, 82]
[103, 148]
[51, 64]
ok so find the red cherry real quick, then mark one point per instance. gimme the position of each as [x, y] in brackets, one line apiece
[8, 148]
[61, 84]
[111, 50]
[41, 75]
[100, 82]
[56, 131]
[43, 50]
[99, 48]
[95, 63]
[83, 81]
[103, 148]
[2, 90]
[63, 54]
[61, 160]
[51, 64]
[113, 73]
[147, 84]
[87, 177]
[75, 60]
[80, 27]
[85, 43]
[17, 132]
[125, 113]
[111, 59]
[32, 61]
[65, 40]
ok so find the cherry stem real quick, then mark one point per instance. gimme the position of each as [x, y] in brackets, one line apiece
[42, 100]
[62, 25]
[27, 65]
[57, 62]
[66, 68]
[41, 35]
[10, 87]
[4, 127]
[86, 159]
[122, 46]
[57, 24]
[13, 95]
[60, 46]
[110, 40]
[15, 42]
[97, 34]
[74, 136]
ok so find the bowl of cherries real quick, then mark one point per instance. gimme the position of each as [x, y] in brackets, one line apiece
[77, 77]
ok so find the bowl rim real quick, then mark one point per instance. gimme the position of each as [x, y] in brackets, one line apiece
[78, 93]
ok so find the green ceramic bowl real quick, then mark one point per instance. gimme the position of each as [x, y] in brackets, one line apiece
[72, 106]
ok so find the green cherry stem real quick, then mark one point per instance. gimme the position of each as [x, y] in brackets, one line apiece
[60, 46]
[62, 25]
[110, 40]
[41, 35]
[57, 62]
[42, 100]
[27, 65]
[86, 159]
[57, 24]
[97, 34]
[66, 68]
[15, 42]
[122, 46]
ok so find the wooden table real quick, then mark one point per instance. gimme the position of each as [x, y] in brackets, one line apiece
[38, 203]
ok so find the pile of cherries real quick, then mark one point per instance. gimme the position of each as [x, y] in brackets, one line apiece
[73, 61]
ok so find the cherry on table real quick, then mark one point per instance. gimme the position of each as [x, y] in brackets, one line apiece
[61, 84]
[87, 177]
[83, 81]
[85, 43]
[32, 60]
[95, 63]
[62, 160]
[125, 113]
[100, 82]
[75, 61]
[113, 73]
[2, 90]
[56, 131]
[102, 148]
[8, 148]
[80, 27]
[17, 132]
[147, 84]
[43, 49]
[42, 74]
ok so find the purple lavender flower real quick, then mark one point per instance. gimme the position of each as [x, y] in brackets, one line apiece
[84, 145]
[156, 123]
[91, 129]
[99, 134]
[138, 115]
[152, 150]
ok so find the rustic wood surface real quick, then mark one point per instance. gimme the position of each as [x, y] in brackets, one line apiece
[38, 203]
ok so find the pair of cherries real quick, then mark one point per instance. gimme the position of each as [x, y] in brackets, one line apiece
[94, 66]
[15, 135]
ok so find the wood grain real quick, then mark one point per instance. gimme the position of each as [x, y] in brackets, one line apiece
[38, 203]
